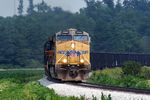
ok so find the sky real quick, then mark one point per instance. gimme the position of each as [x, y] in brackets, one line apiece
[9, 7]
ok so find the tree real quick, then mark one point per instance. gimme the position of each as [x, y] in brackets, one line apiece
[109, 3]
[119, 28]
[42, 7]
[20, 8]
[30, 9]
[118, 6]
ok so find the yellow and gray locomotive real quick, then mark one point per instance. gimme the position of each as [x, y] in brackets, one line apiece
[67, 55]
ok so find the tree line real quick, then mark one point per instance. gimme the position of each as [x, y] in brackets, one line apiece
[122, 26]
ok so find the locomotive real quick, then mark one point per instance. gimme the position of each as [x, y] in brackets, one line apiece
[67, 55]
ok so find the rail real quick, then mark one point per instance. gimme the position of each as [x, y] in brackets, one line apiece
[112, 88]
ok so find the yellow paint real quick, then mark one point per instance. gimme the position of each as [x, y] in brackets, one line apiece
[71, 63]
[67, 46]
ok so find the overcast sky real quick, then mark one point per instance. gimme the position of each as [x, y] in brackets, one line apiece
[9, 7]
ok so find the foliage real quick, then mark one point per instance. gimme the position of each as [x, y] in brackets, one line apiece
[23, 75]
[145, 73]
[99, 77]
[129, 81]
[30, 91]
[103, 97]
[22, 86]
[34, 91]
[6, 83]
[93, 97]
[112, 72]
[31, 64]
[131, 68]
[143, 84]
[113, 27]
[9, 66]
[42, 7]
[103, 79]
[20, 8]
[31, 7]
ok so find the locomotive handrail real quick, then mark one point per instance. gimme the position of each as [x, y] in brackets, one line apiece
[86, 59]
[60, 58]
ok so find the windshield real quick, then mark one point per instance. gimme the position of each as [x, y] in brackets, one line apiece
[64, 38]
[80, 38]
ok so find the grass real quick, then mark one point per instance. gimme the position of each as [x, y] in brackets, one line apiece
[23, 85]
[112, 72]
[145, 73]
[23, 75]
[10, 66]
[14, 90]
[115, 77]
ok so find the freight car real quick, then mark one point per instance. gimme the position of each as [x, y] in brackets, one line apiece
[67, 55]
[101, 60]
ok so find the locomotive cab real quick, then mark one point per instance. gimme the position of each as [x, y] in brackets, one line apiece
[71, 56]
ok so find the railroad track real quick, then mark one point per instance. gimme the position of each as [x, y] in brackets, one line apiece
[112, 88]
[105, 87]
[89, 90]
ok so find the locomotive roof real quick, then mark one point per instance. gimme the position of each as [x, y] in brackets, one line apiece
[72, 31]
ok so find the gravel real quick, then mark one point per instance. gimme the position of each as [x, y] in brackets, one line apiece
[77, 91]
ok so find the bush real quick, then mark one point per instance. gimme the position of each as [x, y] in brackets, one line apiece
[129, 81]
[131, 68]
[145, 73]
[112, 72]
[124, 81]
[143, 85]
[12, 89]
[102, 79]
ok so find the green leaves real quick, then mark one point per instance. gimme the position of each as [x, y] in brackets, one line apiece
[23, 85]
[20, 7]
[113, 28]
[104, 77]
[131, 68]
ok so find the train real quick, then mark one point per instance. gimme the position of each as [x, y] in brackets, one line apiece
[67, 55]
[100, 60]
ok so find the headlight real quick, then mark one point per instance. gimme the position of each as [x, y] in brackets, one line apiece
[65, 60]
[82, 61]
[72, 45]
